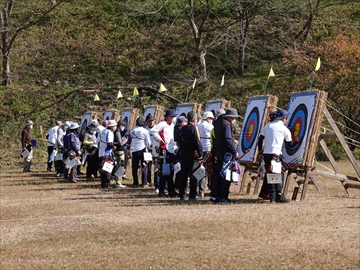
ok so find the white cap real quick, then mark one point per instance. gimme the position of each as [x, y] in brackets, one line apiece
[208, 115]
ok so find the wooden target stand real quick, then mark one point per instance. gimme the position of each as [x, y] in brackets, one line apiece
[248, 160]
[307, 175]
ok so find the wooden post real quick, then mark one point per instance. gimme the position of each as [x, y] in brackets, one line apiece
[306, 183]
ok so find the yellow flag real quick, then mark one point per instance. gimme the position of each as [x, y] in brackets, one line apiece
[318, 64]
[193, 86]
[271, 73]
[136, 92]
[222, 80]
[162, 88]
[96, 98]
[119, 95]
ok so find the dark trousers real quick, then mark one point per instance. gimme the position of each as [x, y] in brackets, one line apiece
[50, 150]
[73, 174]
[105, 179]
[187, 164]
[149, 167]
[138, 158]
[167, 179]
[60, 166]
[92, 163]
[220, 186]
[273, 189]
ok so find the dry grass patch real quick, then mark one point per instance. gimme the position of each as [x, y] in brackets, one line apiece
[50, 224]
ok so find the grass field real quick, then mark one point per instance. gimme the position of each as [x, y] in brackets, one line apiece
[47, 223]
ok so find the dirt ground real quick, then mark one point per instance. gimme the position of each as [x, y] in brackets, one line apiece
[47, 223]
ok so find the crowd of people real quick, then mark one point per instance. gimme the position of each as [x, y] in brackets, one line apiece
[195, 153]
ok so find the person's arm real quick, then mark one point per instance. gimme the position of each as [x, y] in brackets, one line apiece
[73, 143]
[260, 144]
[198, 145]
[155, 131]
[23, 138]
[228, 140]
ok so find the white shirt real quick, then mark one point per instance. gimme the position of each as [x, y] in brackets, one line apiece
[154, 143]
[205, 130]
[275, 133]
[105, 137]
[52, 133]
[140, 139]
[164, 131]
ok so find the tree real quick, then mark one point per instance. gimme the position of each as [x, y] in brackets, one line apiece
[11, 26]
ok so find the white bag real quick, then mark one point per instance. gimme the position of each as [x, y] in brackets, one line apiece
[147, 156]
[108, 167]
[119, 172]
[199, 173]
[71, 163]
[53, 154]
[275, 166]
[25, 153]
[177, 168]
[274, 178]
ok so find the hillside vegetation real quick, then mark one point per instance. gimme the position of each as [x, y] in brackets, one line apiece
[111, 45]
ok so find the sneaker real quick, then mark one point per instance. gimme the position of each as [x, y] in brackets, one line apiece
[281, 198]
[225, 201]
[58, 175]
[157, 191]
[120, 186]
[213, 200]
[49, 170]
[161, 195]
[146, 186]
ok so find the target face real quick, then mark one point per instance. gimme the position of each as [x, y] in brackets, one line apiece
[126, 116]
[250, 130]
[83, 130]
[298, 126]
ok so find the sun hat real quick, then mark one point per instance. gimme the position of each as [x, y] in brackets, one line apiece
[220, 112]
[121, 123]
[207, 115]
[171, 113]
[74, 126]
[181, 119]
[67, 124]
[111, 123]
[282, 114]
[231, 112]
[149, 117]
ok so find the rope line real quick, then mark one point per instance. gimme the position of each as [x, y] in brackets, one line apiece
[328, 104]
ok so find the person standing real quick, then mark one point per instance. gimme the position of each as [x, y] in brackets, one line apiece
[164, 133]
[205, 128]
[26, 145]
[52, 139]
[190, 150]
[224, 143]
[180, 122]
[90, 147]
[120, 140]
[140, 141]
[105, 141]
[74, 147]
[274, 134]
[150, 123]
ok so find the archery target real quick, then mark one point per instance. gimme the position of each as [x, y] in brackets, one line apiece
[301, 108]
[126, 116]
[85, 120]
[108, 115]
[213, 106]
[184, 109]
[151, 110]
[254, 116]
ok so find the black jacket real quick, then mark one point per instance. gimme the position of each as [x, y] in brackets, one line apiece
[190, 142]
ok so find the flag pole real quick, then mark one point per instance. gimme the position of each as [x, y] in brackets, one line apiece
[317, 67]
[192, 90]
[271, 74]
[221, 85]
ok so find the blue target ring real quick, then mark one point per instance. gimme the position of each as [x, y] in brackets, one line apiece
[83, 130]
[250, 130]
[298, 126]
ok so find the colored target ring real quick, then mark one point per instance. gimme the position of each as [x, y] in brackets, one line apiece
[83, 130]
[126, 120]
[298, 126]
[250, 130]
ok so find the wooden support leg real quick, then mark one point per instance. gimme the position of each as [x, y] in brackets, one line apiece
[306, 183]
[257, 185]
[316, 183]
[287, 183]
[243, 180]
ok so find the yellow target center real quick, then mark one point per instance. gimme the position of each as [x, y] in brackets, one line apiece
[251, 129]
[297, 130]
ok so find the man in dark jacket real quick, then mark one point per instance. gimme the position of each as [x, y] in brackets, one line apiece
[223, 138]
[180, 122]
[190, 150]
[120, 140]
